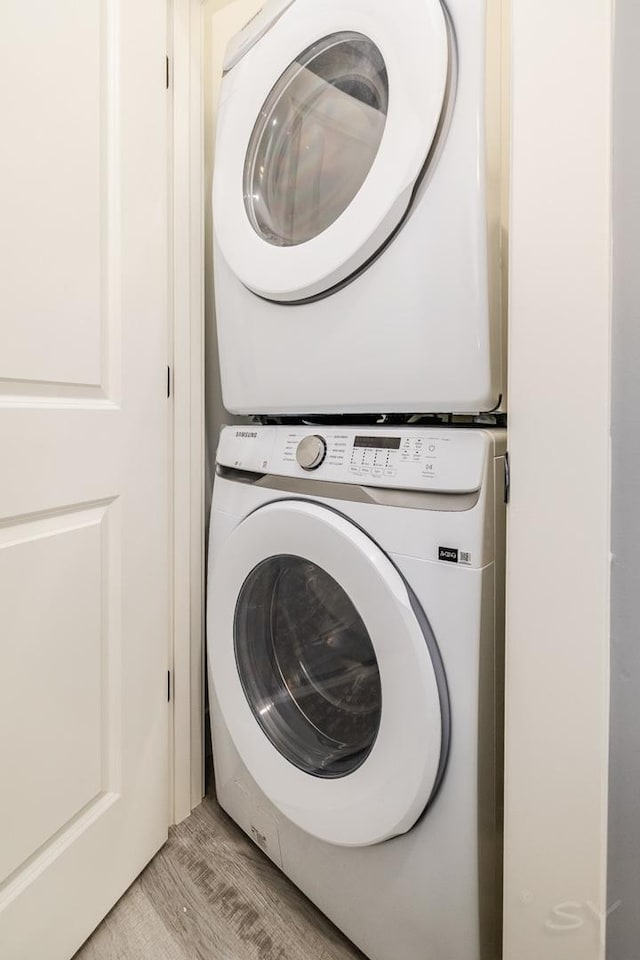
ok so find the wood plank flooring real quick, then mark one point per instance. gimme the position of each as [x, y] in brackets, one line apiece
[210, 894]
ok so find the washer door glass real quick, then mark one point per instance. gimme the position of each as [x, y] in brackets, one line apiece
[307, 666]
[316, 138]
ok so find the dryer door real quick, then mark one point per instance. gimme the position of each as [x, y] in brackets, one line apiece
[327, 674]
[324, 127]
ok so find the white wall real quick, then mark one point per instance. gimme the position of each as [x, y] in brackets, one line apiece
[559, 530]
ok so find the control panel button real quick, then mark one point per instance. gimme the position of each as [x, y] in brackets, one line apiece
[311, 452]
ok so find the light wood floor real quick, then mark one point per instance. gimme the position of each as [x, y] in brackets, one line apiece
[210, 894]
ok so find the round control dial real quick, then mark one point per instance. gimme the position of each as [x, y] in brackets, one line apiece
[311, 452]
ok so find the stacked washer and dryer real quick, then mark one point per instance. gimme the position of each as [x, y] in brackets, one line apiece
[356, 565]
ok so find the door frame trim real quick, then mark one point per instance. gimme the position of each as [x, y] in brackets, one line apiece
[186, 278]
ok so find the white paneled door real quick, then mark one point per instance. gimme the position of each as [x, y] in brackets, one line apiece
[84, 514]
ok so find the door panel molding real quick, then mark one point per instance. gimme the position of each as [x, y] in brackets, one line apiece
[84, 430]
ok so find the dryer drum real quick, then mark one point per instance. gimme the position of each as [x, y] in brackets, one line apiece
[316, 138]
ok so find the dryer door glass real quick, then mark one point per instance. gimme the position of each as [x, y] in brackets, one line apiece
[316, 138]
[307, 666]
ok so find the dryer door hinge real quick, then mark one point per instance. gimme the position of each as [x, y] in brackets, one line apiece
[507, 477]
[168, 686]
[168, 381]
[166, 75]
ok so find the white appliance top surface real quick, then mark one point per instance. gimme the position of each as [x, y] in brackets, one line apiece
[398, 457]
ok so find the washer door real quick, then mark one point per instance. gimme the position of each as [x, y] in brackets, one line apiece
[327, 674]
[324, 127]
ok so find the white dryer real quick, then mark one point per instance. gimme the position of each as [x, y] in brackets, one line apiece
[355, 633]
[356, 207]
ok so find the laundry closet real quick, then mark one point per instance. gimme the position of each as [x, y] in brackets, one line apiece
[337, 496]
[355, 609]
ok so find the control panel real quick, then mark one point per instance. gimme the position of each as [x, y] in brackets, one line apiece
[408, 458]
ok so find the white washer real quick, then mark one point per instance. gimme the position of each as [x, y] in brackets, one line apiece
[356, 207]
[355, 628]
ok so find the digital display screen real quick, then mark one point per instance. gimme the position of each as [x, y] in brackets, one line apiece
[378, 443]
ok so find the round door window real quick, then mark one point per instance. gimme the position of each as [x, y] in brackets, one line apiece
[307, 666]
[316, 138]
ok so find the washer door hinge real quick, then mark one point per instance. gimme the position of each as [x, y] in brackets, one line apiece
[166, 75]
[507, 477]
[168, 381]
[168, 686]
